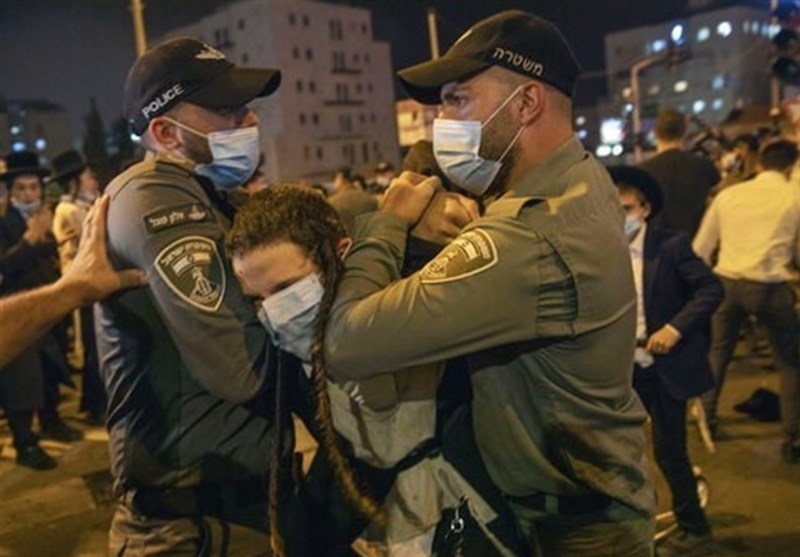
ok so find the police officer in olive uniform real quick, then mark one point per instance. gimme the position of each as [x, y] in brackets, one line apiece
[186, 363]
[538, 293]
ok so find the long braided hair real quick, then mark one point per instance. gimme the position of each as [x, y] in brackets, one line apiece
[288, 213]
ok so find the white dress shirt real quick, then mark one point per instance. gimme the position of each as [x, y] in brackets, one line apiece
[756, 225]
[636, 247]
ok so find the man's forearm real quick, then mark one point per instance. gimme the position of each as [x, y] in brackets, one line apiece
[26, 316]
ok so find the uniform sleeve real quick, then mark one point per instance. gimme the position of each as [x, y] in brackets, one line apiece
[175, 237]
[480, 291]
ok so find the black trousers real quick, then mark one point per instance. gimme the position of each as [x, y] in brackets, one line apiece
[668, 419]
[773, 305]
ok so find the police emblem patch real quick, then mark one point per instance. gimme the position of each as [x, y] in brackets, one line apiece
[193, 269]
[469, 254]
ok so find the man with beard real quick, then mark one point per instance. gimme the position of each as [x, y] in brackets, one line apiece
[538, 294]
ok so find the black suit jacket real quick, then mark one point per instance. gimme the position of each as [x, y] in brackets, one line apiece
[23, 266]
[681, 290]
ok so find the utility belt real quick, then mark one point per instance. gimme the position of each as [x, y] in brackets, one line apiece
[206, 499]
[567, 505]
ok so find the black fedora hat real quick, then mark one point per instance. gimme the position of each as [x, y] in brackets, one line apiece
[20, 163]
[67, 164]
[642, 181]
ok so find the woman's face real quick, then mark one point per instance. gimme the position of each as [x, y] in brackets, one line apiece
[269, 269]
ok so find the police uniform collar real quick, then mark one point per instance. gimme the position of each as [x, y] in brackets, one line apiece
[541, 181]
[174, 160]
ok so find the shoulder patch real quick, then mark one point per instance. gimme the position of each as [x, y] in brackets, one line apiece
[193, 269]
[469, 254]
[189, 213]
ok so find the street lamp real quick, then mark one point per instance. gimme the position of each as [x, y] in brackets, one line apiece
[674, 54]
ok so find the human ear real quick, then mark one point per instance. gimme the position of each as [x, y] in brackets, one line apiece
[533, 97]
[343, 247]
[165, 133]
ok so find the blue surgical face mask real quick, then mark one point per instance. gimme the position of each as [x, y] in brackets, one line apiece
[290, 315]
[27, 209]
[235, 155]
[456, 144]
[633, 223]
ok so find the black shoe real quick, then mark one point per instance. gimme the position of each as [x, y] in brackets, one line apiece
[790, 453]
[60, 431]
[686, 544]
[32, 456]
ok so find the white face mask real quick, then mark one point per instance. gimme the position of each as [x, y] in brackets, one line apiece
[633, 223]
[235, 155]
[27, 209]
[456, 144]
[290, 315]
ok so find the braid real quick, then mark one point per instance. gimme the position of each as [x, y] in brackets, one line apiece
[275, 540]
[370, 508]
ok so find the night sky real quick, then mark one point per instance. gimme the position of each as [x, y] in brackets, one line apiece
[67, 51]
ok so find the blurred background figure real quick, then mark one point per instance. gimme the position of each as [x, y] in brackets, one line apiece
[349, 198]
[741, 162]
[755, 225]
[686, 178]
[81, 187]
[28, 258]
[384, 174]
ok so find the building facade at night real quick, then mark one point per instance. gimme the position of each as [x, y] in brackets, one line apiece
[725, 68]
[34, 125]
[335, 106]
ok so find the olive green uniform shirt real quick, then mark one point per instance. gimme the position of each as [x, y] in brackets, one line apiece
[539, 295]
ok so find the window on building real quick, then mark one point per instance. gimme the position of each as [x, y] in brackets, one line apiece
[364, 29]
[320, 154]
[302, 118]
[312, 86]
[18, 146]
[698, 106]
[306, 21]
[718, 82]
[298, 85]
[241, 24]
[358, 88]
[245, 58]
[41, 144]
[717, 104]
[15, 130]
[746, 26]
[755, 27]
[366, 58]
[658, 45]
[365, 152]
[654, 89]
[582, 134]
[361, 118]
[306, 153]
[309, 54]
[724, 28]
[296, 53]
[681, 86]
[703, 34]
[356, 58]
[315, 118]
[376, 150]
[292, 18]
[372, 117]
[580, 120]
[344, 152]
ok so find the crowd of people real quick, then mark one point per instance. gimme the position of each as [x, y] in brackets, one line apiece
[476, 341]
